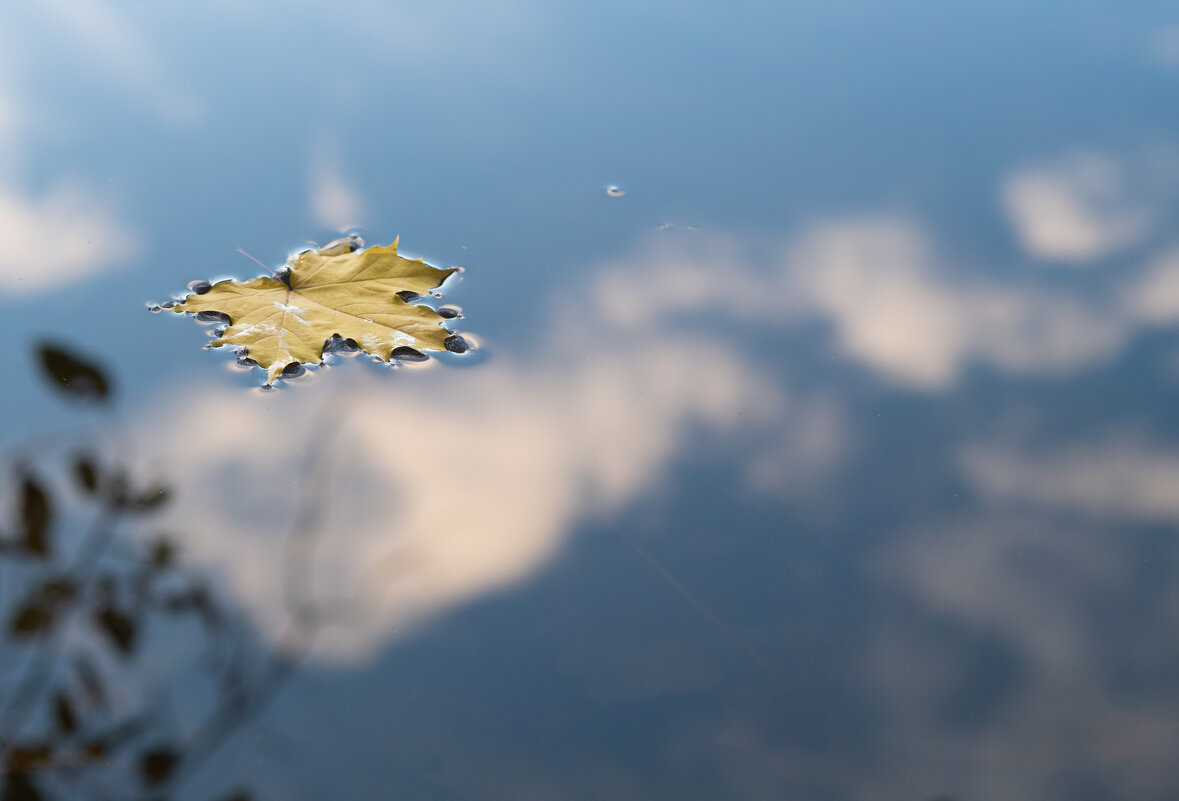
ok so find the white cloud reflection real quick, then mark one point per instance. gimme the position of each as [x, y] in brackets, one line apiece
[1033, 584]
[115, 44]
[450, 483]
[1115, 477]
[878, 283]
[1164, 46]
[49, 241]
[1153, 295]
[333, 202]
[68, 231]
[1076, 209]
[893, 301]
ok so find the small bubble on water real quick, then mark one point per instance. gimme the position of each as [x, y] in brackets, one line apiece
[614, 190]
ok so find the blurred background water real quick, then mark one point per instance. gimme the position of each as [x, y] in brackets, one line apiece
[835, 459]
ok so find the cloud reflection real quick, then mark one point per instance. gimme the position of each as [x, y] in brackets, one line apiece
[455, 483]
[68, 231]
[1033, 588]
[1153, 296]
[334, 204]
[1164, 46]
[116, 47]
[878, 283]
[452, 484]
[49, 241]
[1075, 209]
[1115, 478]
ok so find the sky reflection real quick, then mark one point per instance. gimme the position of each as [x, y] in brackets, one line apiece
[837, 459]
[452, 484]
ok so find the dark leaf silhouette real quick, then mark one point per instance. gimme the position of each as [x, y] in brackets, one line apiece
[118, 587]
[161, 554]
[63, 714]
[86, 473]
[35, 513]
[19, 787]
[30, 619]
[95, 751]
[71, 375]
[40, 611]
[117, 627]
[27, 758]
[20, 763]
[156, 765]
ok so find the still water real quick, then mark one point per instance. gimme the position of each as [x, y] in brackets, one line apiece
[819, 442]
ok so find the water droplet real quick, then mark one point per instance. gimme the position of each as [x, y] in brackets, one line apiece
[456, 344]
[407, 296]
[292, 369]
[613, 190]
[212, 317]
[449, 312]
[199, 287]
[406, 353]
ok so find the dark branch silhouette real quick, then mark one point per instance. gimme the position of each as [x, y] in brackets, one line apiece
[79, 608]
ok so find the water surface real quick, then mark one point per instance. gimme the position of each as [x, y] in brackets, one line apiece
[833, 458]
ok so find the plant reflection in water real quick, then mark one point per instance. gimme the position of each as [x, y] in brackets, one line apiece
[94, 602]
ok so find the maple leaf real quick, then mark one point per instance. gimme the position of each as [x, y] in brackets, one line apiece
[338, 292]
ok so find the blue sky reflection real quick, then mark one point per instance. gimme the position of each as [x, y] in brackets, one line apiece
[837, 459]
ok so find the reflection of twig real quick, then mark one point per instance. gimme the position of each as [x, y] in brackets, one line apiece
[39, 671]
[251, 258]
[239, 707]
[298, 554]
[245, 684]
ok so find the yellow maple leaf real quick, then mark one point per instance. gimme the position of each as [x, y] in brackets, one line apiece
[337, 292]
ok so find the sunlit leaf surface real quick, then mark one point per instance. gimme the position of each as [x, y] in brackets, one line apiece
[359, 295]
